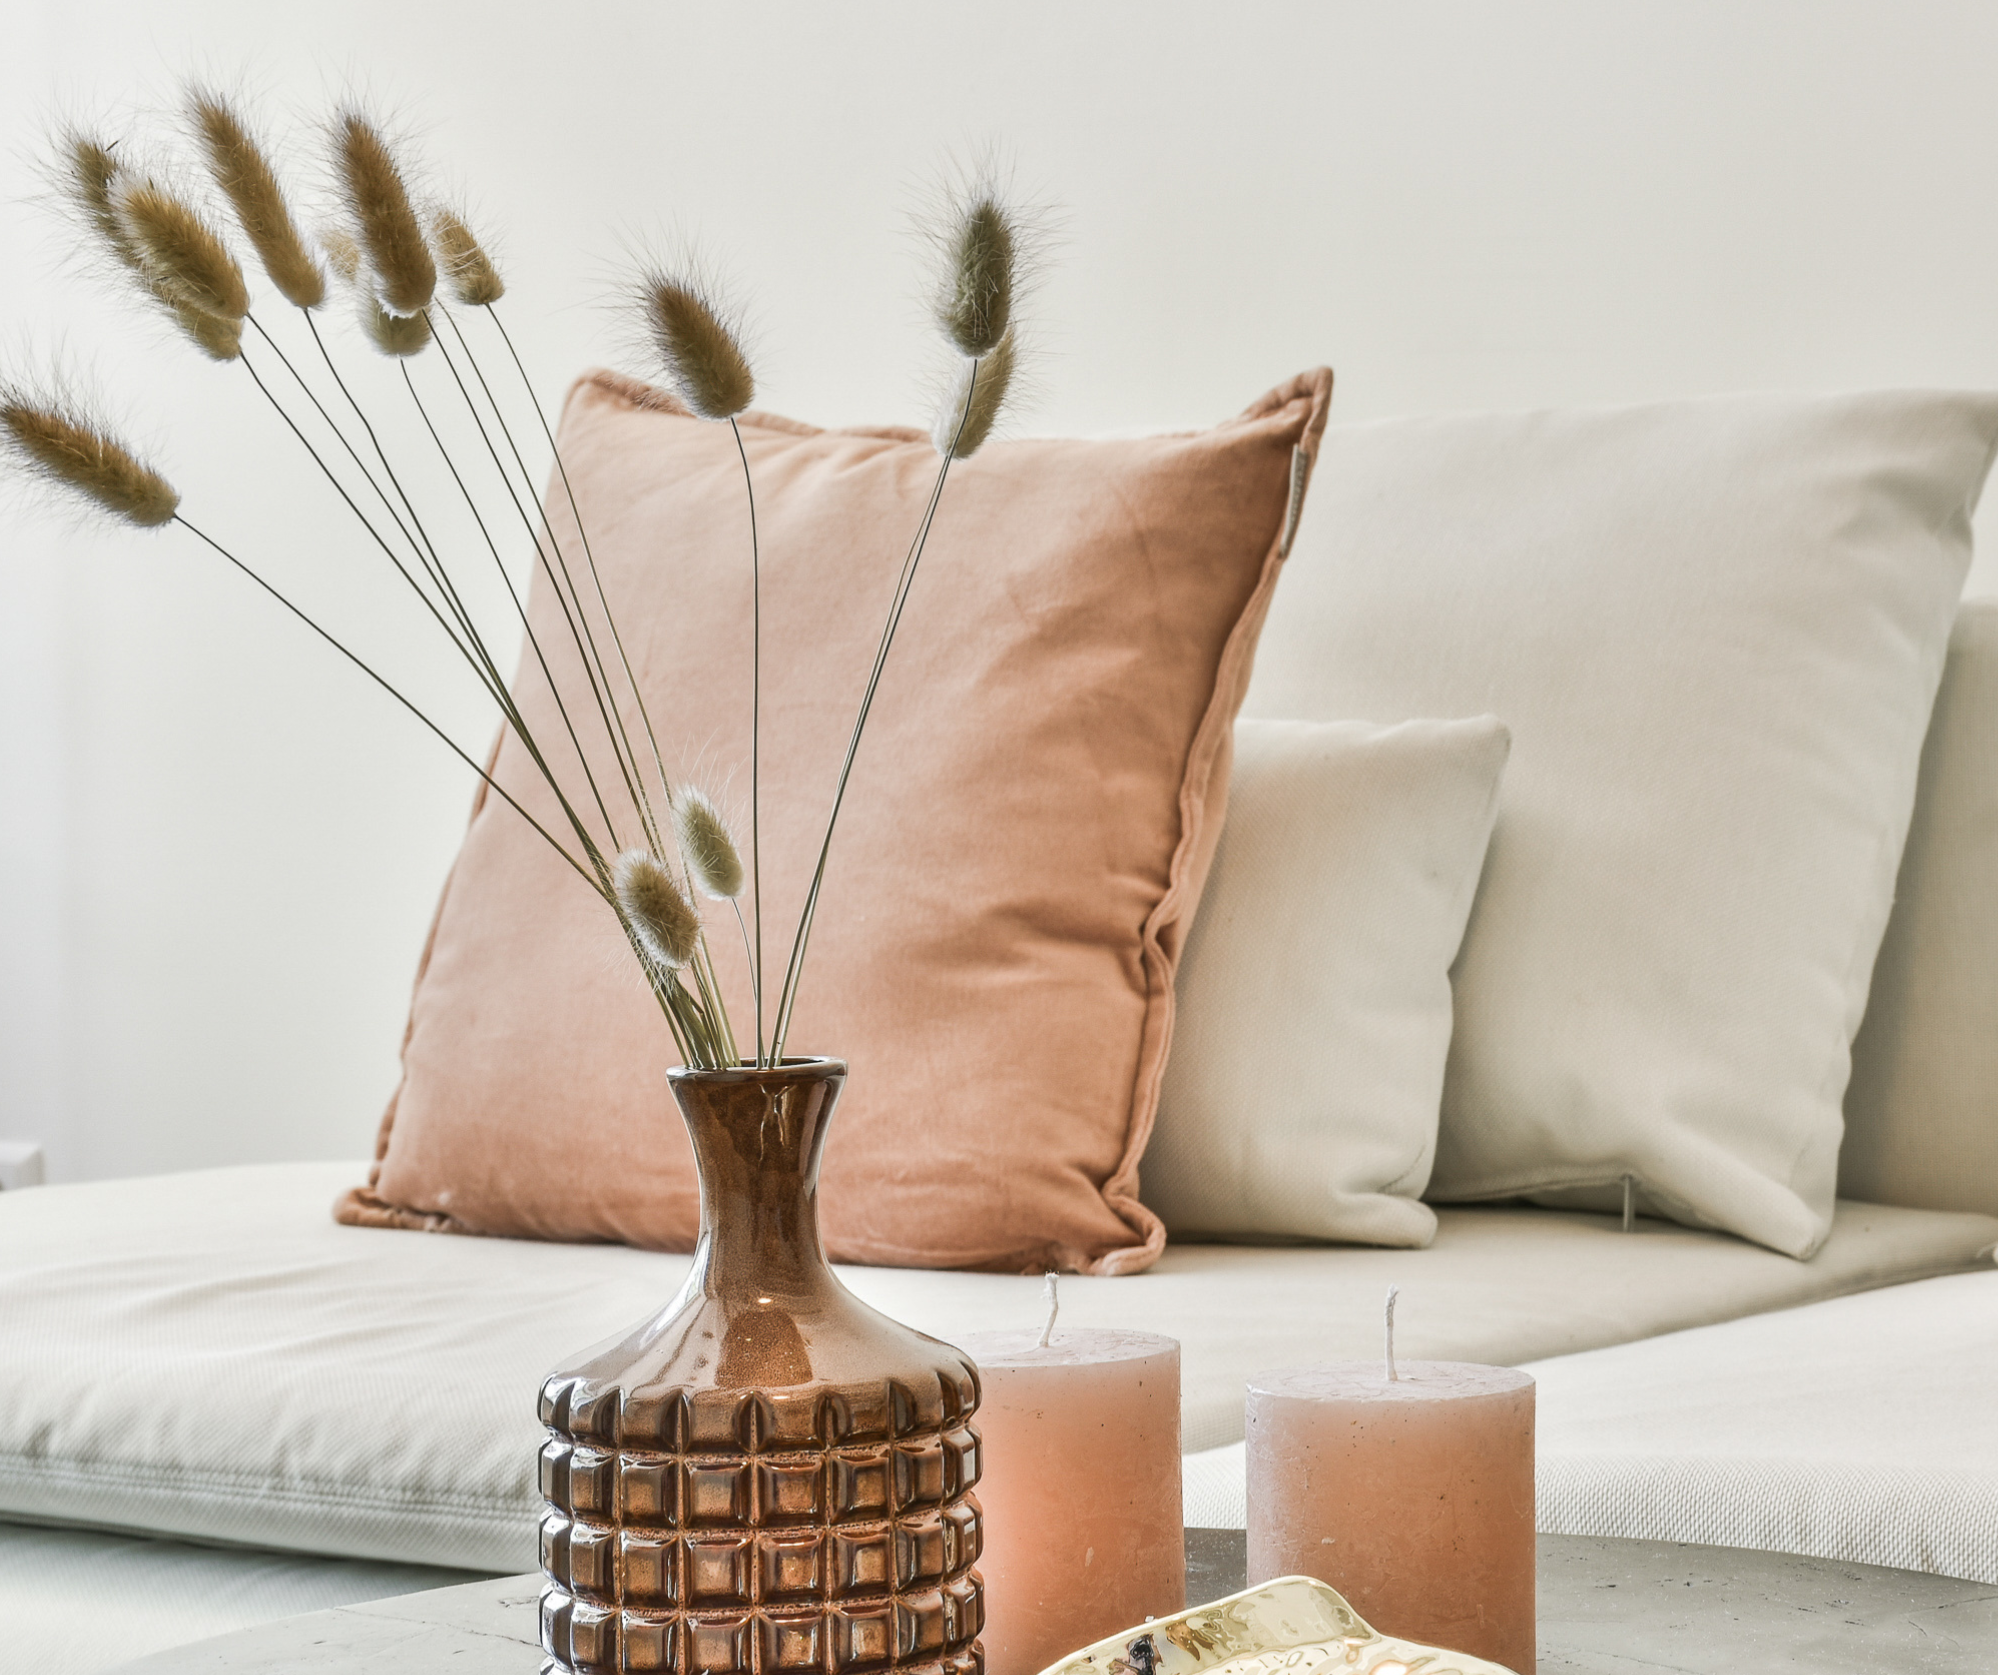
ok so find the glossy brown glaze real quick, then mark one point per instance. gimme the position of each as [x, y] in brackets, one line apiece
[768, 1477]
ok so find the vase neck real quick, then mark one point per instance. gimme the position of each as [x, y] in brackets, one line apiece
[758, 1137]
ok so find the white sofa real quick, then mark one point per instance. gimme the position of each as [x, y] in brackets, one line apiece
[301, 1414]
[217, 1405]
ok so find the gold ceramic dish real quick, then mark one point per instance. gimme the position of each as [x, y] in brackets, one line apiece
[1292, 1626]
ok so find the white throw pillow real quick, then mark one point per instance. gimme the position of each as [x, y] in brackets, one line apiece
[1715, 629]
[1313, 1018]
[1921, 1116]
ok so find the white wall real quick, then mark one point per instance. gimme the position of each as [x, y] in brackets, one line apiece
[218, 851]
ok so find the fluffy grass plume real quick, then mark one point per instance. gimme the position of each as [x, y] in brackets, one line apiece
[468, 269]
[401, 335]
[50, 438]
[984, 382]
[218, 339]
[85, 172]
[183, 257]
[383, 222]
[697, 349]
[343, 255]
[660, 917]
[980, 257]
[705, 841]
[247, 180]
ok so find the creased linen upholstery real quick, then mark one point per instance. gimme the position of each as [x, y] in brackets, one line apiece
[1715, 629]
[210, 1355]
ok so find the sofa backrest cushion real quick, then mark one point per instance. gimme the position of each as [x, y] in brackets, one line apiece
[1715, 629]
[1027, 829]
[1301, 1098]
[1921, 1116]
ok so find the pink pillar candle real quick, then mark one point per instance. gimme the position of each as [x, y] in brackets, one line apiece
[1080, 1489]
[1412, 1496]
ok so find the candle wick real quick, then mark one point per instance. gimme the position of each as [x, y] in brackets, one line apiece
[1054, 1308]
[1394, 1291]
[1628, 1182]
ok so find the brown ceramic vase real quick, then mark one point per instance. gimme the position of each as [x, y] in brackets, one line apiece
[768, 1476]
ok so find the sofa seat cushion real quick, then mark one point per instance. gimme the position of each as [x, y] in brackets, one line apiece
[209, 1355]
[1856, 1429]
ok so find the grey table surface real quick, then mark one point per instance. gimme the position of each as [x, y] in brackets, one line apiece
[1606, 1608]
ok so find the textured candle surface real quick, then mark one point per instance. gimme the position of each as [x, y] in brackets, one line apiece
[1080, 1491]
[1414, 1498]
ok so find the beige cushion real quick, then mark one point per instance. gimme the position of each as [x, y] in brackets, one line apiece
[1921, 1116]
[1715, 629]
[1300, 1099]
[209, 1355]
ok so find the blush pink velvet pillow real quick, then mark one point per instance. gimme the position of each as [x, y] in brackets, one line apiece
[1023, 843]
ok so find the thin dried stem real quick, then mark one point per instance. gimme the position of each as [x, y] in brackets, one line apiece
[794, 968]
[520, 609]
[427, 556]
[474, 646]
[580, 634]
[487, 674]
[400, 699]
[340, 435]
[755, 731]
[589, 557]
[471, 646]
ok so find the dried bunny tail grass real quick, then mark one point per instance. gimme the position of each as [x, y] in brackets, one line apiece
[343, 255]
[179, 253]
[401, 335]
[988, 248]
[84, 171]
[974, 302]
[468, 269]
[384, 223]
[51, 438]
[705, 841]
[697, 346]
[218, 339]
[248, 181]
[660, 917]
[961, 430]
